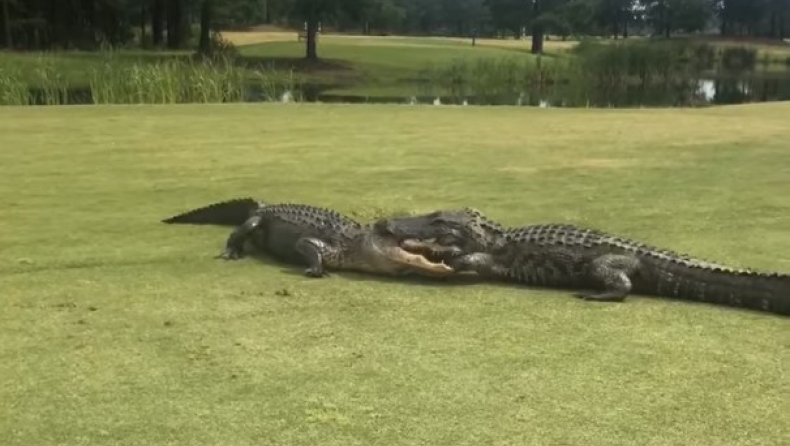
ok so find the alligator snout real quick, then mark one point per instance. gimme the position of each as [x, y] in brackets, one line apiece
[402, 229]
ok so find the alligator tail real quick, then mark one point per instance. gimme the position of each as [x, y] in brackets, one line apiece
[226, 213]
[735, 288]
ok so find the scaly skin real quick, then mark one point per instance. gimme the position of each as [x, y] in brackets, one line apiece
[318, 238]
[568, 256]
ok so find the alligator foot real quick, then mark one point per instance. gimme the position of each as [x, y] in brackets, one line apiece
[312, 250]
[230, 254]
[234, 247]
[611, 271]
[316, 272]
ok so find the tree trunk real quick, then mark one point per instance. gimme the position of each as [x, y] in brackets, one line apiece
[53, 31]
[174, 22]
[311, 52]
[157, 22]
[537, 30]
[205, 27]
[9, 40]
[625, 26]
[667, 27]
[775, 20]
[143, 17]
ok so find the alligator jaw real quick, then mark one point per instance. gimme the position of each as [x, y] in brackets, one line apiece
[431, 250]
[419, 262]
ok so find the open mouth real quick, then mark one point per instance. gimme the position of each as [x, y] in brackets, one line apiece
[431, 250]
[419, 262]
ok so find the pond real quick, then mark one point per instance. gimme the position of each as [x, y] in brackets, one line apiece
[710, 90]
[715, 89]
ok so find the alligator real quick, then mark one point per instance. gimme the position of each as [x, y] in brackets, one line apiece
[582, 259]
[318, 238]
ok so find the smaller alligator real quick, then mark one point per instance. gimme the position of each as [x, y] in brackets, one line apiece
[319, 238]
[568, 256]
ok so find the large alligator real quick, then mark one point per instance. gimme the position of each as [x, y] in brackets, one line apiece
[318, 238]
[573, 257]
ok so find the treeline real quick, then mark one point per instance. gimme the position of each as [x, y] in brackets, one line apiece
[30, 24]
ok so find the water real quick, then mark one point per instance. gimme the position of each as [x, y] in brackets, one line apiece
[725, 89]
[738, 91]
[701, 92]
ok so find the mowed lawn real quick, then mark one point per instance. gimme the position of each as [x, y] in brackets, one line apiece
[118, 329]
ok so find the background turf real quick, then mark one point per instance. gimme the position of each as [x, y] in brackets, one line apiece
[117, 329]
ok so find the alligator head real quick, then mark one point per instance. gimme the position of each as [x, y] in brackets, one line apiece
[443, 235]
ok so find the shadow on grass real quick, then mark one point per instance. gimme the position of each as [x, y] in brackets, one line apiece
[464, 280]
[297, 270]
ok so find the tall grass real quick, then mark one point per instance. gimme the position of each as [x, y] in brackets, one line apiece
[118, 80]
[634, 73]
[13, 91]
[168, 82]
[45, 84]
[509, 80]
[613, 74]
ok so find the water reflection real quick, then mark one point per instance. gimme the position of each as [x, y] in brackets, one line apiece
[743, 90]
[727, 89]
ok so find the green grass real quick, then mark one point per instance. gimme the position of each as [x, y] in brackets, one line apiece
[380, 67]
[76, 66]
[117, 329]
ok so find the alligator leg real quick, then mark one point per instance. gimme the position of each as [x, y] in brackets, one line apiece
[234, 247]
[612, 272]
[479, 262]
[313, 250]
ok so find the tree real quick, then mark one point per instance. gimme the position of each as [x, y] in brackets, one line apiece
[740, 16]
[9, 40]
[666, 16]
[175, 22]
[204, 46]
[779, 18]
[463, 17]
[314, 11]
[580, 16]
[382, 15]
[546, 16]
[509, 15]
[615, 15]
[157, 22]
[537, 27]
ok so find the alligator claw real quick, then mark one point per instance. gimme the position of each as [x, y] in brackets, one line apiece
[229, 255]
[315, 272]
[599, 297]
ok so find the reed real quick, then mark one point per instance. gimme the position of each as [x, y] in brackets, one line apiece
[613, 74]
[118, 80]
